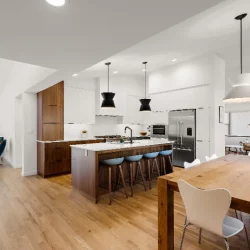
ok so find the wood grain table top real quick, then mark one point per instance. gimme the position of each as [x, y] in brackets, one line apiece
[231, 172]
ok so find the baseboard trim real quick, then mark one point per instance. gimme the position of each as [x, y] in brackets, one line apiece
[29, 173]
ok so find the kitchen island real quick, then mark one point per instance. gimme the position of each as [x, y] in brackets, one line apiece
[85, 161]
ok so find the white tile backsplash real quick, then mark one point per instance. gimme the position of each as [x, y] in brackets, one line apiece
[103, 126]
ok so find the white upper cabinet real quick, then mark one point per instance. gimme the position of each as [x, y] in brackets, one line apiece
[79, 105]
[133, 115]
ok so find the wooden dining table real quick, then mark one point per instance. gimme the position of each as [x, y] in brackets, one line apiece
[231, 172]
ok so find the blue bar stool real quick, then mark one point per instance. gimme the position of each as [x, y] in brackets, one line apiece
[131, 160]
[113, 163]
[164, 154]
[148, 157]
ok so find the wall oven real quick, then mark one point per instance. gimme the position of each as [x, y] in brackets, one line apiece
[159, 131]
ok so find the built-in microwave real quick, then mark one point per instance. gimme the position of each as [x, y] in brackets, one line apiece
[159, 131]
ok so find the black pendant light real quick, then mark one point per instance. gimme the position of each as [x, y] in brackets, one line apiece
[108, 101]
[240, 92]
[145, 102]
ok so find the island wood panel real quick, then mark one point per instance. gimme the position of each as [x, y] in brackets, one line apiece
[85, 166]
[231, 172]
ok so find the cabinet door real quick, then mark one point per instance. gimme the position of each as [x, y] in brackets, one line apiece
[79, 106]
[52, 132]
[133, 114]
[202, 149]
[50, 97]
[203, 124]
[52, 114]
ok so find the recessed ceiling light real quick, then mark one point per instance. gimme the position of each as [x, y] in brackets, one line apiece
[116, 72]
[174, 60]
[144, 70]
[57, 3]
[75, 74]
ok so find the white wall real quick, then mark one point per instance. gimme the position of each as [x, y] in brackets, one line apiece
[103, 126]
[29, 165]
[198, 83]
[17, 78]
[239, 124]
[19, 122]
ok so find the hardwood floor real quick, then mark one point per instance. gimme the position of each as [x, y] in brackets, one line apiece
[37, 213]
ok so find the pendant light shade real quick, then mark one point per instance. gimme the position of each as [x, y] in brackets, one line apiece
[145, 107]
[240, 92]
[108, 101]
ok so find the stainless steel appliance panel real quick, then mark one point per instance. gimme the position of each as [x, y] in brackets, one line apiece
[182, 130]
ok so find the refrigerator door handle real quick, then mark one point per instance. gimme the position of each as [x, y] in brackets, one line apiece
[177, 130]
[181, 132]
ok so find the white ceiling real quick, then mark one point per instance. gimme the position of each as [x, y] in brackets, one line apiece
[212, 31]
[83, 33]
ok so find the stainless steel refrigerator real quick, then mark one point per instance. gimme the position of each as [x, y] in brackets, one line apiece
[182, 130]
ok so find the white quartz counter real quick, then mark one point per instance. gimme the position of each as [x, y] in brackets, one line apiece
[113, 146]
[80, 139]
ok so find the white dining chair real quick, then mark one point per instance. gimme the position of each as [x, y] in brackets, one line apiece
[192, 164]
[248, 153]
[207, 209]
[212, 157]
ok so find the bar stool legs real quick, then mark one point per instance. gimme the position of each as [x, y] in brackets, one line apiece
[155, 164]
[133, 182]
[142, 176]
[149, 175]
[121, 175]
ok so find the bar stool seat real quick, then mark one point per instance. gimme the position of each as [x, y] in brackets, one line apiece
[163, 154]
[150, 156]
[131, 159]
[111, 163]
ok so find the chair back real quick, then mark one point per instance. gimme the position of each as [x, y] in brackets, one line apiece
[213, 157]
[205, 208]
[248, 153]
[192, 164]
[2, 147]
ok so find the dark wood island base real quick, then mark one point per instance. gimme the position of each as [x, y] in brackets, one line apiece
[85, 165]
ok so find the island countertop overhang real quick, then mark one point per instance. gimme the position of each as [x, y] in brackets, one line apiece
[108, 147]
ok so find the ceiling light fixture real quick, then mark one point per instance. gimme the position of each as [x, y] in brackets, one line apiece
[144, 70]
[240, 92]
[57, 3]
[108, 101]
[174, 60]
[116, 72]
[75, 75]
[145, 102]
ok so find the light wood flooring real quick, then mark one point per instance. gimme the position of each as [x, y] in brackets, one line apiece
[38, 213]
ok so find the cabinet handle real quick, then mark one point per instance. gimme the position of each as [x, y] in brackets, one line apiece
[58, 148]
[52, 105]
[199, 140]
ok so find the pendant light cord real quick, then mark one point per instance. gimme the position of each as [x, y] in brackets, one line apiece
[108, 77]
[241, 47]
[108, 63]
[145, 81]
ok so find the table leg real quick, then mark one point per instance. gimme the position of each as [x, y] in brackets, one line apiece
[165, 216]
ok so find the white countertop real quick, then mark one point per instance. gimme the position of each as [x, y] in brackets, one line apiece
[79, 139]
[112, 146]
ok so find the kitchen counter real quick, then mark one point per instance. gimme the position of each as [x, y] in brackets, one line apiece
[111, 146]
[86, 173]
[80, 139]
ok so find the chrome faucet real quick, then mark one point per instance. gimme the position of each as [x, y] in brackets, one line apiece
[131, 133]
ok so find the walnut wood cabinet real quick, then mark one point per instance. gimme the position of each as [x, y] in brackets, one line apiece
[55, 157]
[50, 111]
